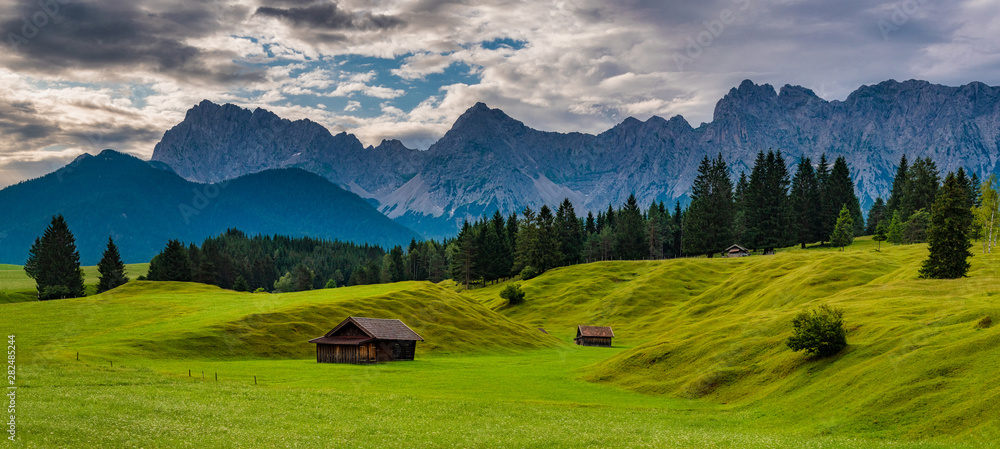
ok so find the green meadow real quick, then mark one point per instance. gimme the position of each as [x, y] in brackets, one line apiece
[16, 286]
[699, 360]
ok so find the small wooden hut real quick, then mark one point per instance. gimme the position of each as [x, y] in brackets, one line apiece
[736, 251]
[367, 340]
[594, 335]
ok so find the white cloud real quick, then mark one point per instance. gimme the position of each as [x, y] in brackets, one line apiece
[352, 105]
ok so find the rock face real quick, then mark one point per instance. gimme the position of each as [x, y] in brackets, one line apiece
[489, 161]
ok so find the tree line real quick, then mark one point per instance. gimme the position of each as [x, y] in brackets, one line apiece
[771, 208]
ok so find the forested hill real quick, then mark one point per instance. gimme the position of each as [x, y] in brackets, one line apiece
[142, 205]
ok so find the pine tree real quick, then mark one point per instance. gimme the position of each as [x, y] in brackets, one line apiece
[895, 232]
[678, 227]
[503, 256]
[172, 264]
[769, 217]
[526, 239]
[843, 231]
[898, 191]
[590, 227]
[880, 235]
[111, 269]
[54, 263]
[876, 215]
[655, 232]
[303, 277]
[570, 233]
[708, 222]
[548, 249]
[805, 199]
[463, 263]
[740, 207]
[241, 284]
[921, 187]
[841, 193]
[630, 230]
[947, 235]
[827, 216]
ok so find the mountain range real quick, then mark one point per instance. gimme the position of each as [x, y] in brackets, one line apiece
[143, 204]
[489, 161]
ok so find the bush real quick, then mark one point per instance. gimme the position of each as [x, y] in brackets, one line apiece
[529, 272]
[513, 294]
[984, 323]
[260, 290]
[820, 332]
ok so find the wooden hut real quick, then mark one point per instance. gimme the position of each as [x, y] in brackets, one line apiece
[367, 340]
[736, 251]
[594, 335]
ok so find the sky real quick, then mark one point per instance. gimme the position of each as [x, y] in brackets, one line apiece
[81, 76]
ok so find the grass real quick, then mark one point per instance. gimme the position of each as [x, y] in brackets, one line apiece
[16, 286]
[698, 361]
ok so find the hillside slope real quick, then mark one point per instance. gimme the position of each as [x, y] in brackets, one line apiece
[167, 320]
[715, 329]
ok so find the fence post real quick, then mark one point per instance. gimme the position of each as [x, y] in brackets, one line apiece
[189, 373]
[255, 380]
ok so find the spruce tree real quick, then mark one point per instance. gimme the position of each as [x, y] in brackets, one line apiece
[843, 231]
[54, 263]
[630, 230]
[172, 264]
[769, 213]
[898, 191]
[740, 210]
[548, 249]
[241, 284]
[947, 235]
[463, 262]
[111, 269]
[827, 216]
[503, 254]
[921, 187]
[708, 222]
[895, 232]
[570, 233]
[805, 199]
[678, 227]
[881, 234]
[876, 215]
[841, 193]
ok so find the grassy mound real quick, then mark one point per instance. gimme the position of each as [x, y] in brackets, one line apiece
[175, 320]
[715, 329]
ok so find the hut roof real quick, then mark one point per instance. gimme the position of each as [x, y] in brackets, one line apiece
[595, 331]
[737, 247]
[343, 340]
[377, 328]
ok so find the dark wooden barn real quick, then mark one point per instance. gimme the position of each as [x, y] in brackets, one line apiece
[736, 251]
[367, 340]
[594, 335]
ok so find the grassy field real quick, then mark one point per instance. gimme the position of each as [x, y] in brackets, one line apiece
[16, 286]
[698, 361]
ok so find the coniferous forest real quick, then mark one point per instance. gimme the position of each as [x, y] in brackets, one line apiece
[770, 208]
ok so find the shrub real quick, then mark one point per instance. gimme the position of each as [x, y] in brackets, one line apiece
[513, 294]
[529, 272]
[260, 290]
[984, 323]
[820, 332]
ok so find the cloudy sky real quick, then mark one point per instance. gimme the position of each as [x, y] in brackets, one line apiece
[81, 76]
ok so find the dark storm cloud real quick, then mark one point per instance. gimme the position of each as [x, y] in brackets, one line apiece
[118, 34]
[21, 122]
[329, 16]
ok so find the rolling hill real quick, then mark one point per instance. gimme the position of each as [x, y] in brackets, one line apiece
[142, 205]
[714, 329]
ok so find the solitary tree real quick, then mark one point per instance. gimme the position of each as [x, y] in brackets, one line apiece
[843, 232]
[54, 263]
[111, 269]
[947, 235]
[881, 235]
[819, 333]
